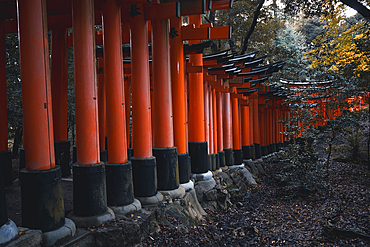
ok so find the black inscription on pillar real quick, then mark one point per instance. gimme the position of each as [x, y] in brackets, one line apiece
[173, 33]
[126, 78]
[134, 10]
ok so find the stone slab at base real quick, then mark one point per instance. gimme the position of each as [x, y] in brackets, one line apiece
[206, 185]
[232, 167]
[84, 222]
[174, 194]
[202, 176]
[8, 231]
[188, 186]
[260, 160]
[127, 209]
[151, 200]
[240, 166]
[248, 176]
[219, 170]
[50, 238]
[27, 238]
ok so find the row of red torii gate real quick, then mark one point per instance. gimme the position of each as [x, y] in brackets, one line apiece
[191, 113]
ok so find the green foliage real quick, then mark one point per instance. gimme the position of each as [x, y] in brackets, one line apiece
[242, 14]
[301, 166]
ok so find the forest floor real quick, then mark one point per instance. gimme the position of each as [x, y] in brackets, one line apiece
[336, 214]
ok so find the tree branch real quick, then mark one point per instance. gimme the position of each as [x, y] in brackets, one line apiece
[251, 29]
[359, 7]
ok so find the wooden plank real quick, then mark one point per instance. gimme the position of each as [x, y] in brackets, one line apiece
[190, 7]
[220, 87]
[162, 11]
[193, 69]
[209, 78]
[219, 4]
[223, 32]
[226, 90]
[210, 63]
[190, 32]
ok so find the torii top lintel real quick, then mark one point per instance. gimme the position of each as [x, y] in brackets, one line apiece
[60, 11]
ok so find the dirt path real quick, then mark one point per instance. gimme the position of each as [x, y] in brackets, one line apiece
[263, 216]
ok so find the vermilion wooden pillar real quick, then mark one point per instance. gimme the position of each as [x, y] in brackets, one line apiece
[220, 127]
[178, 100]
[227, 130]
[164, 149]
[127, 83]
[246, 138]
[206, 123]
[36, 98]
[211, 132]
[118, 169]
[89, 187]
[262, 127]
[269, 129]
[102, 106]
[256, 130]
[59, 89]
[197, 142]
[238, 154]
[42, 199]
[274, 127]
[85, 84]
[5, 154]
[215, 129]
[143, 162]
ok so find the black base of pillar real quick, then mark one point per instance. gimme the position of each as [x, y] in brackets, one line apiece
[217, 158]
[229, 156]
[209, 160]
[42, 199]
[184, 168]
[270, 149]
[6, 167]
[238, 156]
[286, 144]
[257, 151]
[222, 158]
[103, 156]
[274, 147]
[22, 158]
[130, 153]
[63, 157]
[263, 151]
[214, 162]
[167, 168]
[74, 154]
[144, 172]
[3, 208]
[247, 152]
[280, 146]
[120, 188]
[199, 157]
[89, 190]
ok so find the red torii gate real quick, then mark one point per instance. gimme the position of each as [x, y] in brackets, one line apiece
[40, 161]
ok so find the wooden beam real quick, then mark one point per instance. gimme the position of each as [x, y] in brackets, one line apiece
[190, 32]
